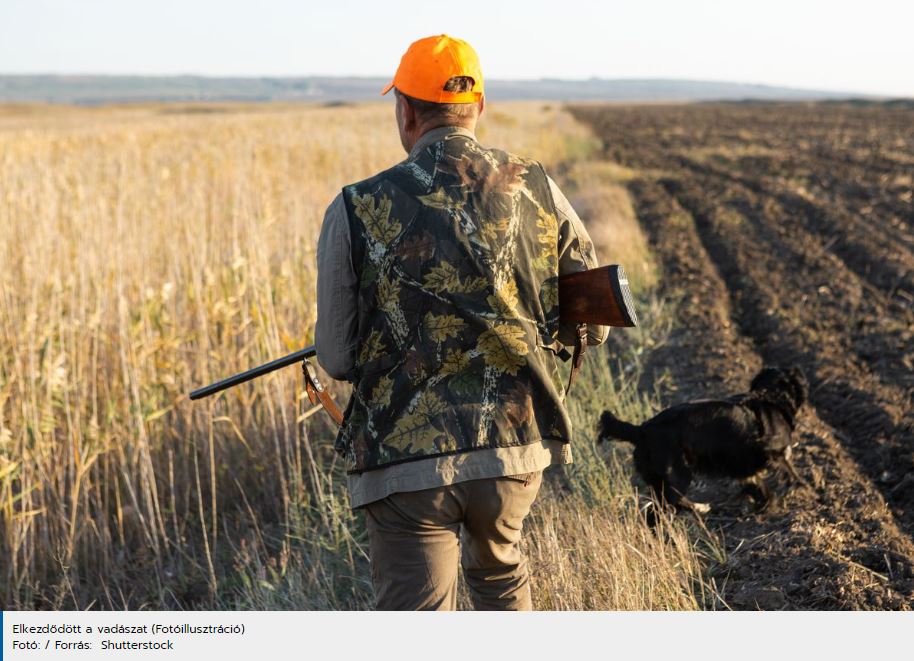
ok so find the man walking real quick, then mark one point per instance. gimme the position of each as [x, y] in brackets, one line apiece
[438, 300]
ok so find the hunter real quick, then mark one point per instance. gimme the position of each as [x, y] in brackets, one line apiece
[437, 298]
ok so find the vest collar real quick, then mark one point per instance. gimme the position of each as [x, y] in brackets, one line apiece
[436, 135]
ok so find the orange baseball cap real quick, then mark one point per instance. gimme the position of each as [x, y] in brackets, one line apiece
[430, 62]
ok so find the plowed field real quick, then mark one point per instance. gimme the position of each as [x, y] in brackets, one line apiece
[786, 235]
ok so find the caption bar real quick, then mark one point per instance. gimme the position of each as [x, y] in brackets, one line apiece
[104, 637]
[33, 635]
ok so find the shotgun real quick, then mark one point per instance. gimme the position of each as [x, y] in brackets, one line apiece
[317, 394]
[599, 296]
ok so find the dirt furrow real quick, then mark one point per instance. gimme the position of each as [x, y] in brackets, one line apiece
[701, 300]
[867, 200]
[869, 212]
[886, 265]
[876, 331]
[873, 418]
[801, 553]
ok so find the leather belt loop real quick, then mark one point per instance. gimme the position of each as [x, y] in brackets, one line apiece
[577, 358]
[317, 394]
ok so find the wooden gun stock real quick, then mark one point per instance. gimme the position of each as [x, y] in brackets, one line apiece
[599, 296]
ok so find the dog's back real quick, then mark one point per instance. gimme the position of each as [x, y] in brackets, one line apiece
[715, 436]
[721, 438]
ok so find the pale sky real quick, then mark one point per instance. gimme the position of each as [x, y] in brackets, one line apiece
[836, 45]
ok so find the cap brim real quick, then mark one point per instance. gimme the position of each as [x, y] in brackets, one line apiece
[387, 89]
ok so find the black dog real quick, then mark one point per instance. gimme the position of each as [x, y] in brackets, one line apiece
[735, 437]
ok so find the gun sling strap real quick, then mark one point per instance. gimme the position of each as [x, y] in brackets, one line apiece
[577, 358]
[317, 394]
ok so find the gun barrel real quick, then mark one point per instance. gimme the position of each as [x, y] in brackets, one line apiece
[273, 365]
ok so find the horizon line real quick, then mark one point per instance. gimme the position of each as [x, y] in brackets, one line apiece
[623, 79]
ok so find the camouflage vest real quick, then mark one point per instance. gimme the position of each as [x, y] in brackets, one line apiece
[456, 248]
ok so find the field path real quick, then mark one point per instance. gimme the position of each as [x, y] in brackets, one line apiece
[784, 247]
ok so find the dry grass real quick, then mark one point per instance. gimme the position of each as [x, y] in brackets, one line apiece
[605, 558]
[148, 250]
[598, 194]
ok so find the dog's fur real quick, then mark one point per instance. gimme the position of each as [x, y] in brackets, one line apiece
[735, 437]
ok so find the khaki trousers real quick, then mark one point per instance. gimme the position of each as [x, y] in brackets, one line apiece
[415, 541]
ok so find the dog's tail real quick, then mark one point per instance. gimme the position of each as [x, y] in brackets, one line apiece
[613, 428]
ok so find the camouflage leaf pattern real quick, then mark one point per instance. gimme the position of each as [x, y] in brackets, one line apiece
[503, 348]
[441, 327]
[415, 430]
[504, 301]
[372, 347]
[457, 253]
[455, 362]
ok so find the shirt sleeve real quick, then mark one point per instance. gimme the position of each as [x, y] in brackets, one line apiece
[576, 253]
[336, 330]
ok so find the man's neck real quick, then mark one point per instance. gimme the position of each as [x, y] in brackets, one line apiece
[433, 135]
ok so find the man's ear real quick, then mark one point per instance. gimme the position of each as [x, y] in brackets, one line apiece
[482, 105]
[407, 113]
